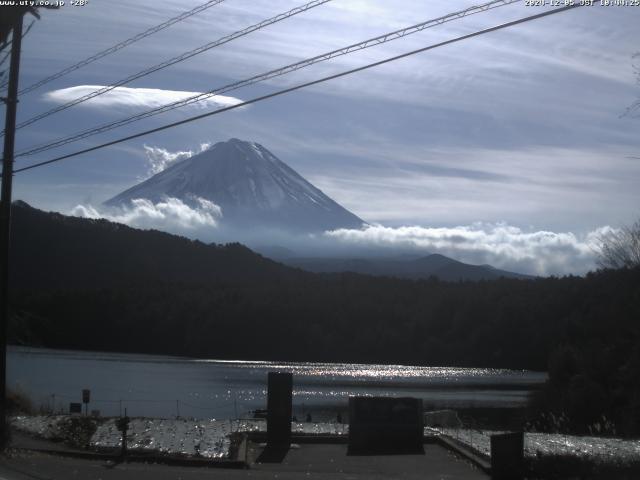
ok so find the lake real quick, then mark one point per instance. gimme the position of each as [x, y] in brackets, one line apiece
[165, 386]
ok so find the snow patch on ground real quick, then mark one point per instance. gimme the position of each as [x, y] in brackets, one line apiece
[604, 449]
[211, 438]
[203, 438]
[47, 427]
[198, 438]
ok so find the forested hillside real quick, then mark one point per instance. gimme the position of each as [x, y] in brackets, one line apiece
[96, 285]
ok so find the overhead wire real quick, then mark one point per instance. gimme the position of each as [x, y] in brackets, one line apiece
[174, 60]
[268, 75]
[121, 45]
[306, 84]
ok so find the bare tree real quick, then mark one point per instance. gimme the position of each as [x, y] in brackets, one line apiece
[633, 110]
[620, 248]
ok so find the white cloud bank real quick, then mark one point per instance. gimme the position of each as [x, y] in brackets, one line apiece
[500, 245]
[170, 214]
[135, 97]
[158, 158]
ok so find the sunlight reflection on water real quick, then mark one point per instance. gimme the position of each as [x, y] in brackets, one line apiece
[156, 386]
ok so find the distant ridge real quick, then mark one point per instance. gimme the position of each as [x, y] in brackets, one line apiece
[436, 265]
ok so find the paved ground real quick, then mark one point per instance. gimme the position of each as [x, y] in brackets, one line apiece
[322, 462]
[24, 440]
[331, 461]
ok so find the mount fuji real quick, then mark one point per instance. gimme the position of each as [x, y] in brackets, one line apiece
[252, 187]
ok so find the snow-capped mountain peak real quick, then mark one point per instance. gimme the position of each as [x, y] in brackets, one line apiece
[251, 185]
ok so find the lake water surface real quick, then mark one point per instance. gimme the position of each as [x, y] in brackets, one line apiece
[164, 386]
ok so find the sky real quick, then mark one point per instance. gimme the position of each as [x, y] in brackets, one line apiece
[512, 148]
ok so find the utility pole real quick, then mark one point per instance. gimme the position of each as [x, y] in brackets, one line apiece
[5, 217]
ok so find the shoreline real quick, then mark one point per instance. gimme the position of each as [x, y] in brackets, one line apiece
[165, 357]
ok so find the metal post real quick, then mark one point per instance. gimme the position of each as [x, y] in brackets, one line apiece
[125, 427]
[279, 403]
[5, 219]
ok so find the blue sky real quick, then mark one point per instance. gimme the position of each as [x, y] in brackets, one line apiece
[514, 141]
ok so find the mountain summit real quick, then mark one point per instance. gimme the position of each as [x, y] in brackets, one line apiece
[252, 187]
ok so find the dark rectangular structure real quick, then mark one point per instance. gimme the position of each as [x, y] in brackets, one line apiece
[507, 456]
[279, 394]
[385, 425]
[75, 407]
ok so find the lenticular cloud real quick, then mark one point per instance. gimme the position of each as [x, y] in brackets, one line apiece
[135, 97]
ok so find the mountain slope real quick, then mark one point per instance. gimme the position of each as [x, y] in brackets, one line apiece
[251, 185]
[54, 251]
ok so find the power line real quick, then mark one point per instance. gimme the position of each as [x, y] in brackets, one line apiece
[8, 44]
[121, 45]
[174, 60]
[304, 85]
[270, 74]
